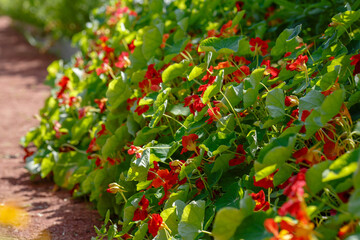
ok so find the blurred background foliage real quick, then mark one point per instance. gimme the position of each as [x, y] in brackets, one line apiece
[58, 18]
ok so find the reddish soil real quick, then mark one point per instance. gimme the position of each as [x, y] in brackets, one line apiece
[53, 214]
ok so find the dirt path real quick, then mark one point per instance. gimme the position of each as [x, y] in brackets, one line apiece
[22, 70]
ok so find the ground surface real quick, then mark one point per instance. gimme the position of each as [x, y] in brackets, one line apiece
[53, 215]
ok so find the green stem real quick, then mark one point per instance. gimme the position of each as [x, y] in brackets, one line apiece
[175, 120]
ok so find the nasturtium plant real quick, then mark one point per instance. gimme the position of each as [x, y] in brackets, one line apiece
[210, 119]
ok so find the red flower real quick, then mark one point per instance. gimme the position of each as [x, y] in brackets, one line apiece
[208, 75]
[152, 171]
[194, 103]
[72, 100]
[199, 184]
[258, 46]
[142, 109]
[130, 102]
[123, 60]
[93, 146]
[102, 131]
[103, 68]
[241, 73]
[214, 114]
[141, 212]
[63, 84]
[287, 54]
[273, 72]
[294, 207]
[266, 182]
[241, 60]
[154, 224]
[101, 104]
[240, 157]
[189, 143]
[355, 59]
[295, 189]
[165, 37]
[27, 153]
[152, 80]
[239, 5]
[57, 127]
[271, 226]
[291, 101]
[131, 46]
[260, 202]
[356, 62]
[82, 112]
[226, 29]
[299, 64]
[138, 150]
[126, 236]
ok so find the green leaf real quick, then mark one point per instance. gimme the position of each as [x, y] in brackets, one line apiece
[226, 123]
[137, 59]
[147, 134]
[117, 93]
[47, 165]
[141, 233]
[237, 18]
[152, 40]
[179, 110]
[159, 106]
[356, 177]
[311, 100]
[175, 49]
[220, 45]
[328, 109]
[226, 222]
[187, 169]
[255, 78]
[139, 167]
[343, 21]
[175, 70]
[192, 220]
[184, 23]
[274, 155]
[171, 219]
[247, 203]
[218, 142]
[111, 232]
[80, 128]
[197, 71]
[344, 166]
[329, 78]
[250, 97]
[244, 47]
[286, 42]
[314, 179]
[213, 89]
[234, 95]
[282, 175]
[161, 151]
[354, 203]
[115, 142]
[275, 103]
[252, 227]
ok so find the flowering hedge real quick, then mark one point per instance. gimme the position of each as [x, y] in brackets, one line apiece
[210, 119]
